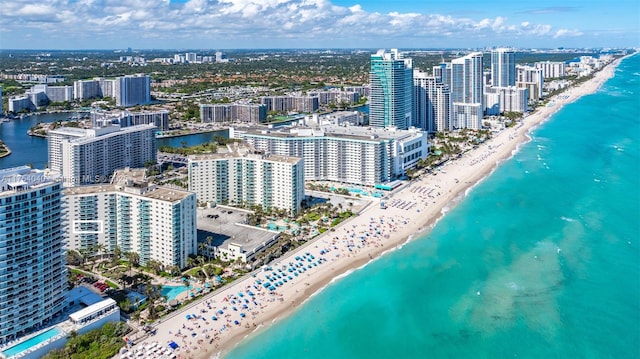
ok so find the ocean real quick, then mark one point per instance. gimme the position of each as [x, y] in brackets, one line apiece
[539, 260]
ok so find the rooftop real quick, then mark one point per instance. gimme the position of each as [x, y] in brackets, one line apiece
[336, 131]
[131, 181]
[228, 227]
[237, 150]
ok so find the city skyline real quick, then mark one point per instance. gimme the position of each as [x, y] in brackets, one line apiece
[163, 24]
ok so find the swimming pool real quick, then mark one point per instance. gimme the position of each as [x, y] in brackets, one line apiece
[171, 292]
[32, 342]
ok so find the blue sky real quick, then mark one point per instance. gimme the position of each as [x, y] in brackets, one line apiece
[226, 24]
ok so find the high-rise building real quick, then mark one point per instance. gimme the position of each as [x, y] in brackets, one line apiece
[503, 67]
[191, 57]
[239, 175]
[348, 154]
[83, 156]
[19, 103]
[84, 89]
[551, 69]
[391, 79]
[132, 90]
[335, 97]
[465, 80]
[509, 99]
[157, 223]
[431, 103]
[531, 78]
[33, 275]
[251, 113]
[290, 103]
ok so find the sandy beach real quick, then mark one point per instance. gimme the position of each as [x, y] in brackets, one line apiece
[215, 324]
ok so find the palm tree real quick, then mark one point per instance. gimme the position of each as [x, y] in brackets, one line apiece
[133, 258]
[100, 249]
[154, 266]
[116, 255]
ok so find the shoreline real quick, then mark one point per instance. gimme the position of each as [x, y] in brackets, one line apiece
[411, 213]
[3, 155]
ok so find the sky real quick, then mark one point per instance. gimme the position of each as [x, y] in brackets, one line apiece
[263, 24]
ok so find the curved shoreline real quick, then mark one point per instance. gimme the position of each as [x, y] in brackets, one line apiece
[452, 186]
[4, 145]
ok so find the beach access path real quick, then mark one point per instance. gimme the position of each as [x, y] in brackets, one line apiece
[247, 304]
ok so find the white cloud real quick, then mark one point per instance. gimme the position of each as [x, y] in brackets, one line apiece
[252, 19]
[567, 33]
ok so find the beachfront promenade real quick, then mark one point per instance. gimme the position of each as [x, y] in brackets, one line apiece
[221, 319]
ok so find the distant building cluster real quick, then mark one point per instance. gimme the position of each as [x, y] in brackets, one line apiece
[193, 58]
[38, 78]
[128, 91]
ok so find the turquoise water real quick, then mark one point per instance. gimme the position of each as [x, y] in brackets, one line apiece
[172, 292]
[32, 342]
[540, 260]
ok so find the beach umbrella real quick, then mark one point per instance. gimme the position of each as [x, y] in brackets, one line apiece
[214, 318]
[244, 306]
[220, 312]
[236, 322]
[241, 294]
[188, 316]
[234, 308]
[242, 315]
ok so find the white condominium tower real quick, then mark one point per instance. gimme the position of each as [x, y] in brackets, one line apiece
[464, 77]
[503, 67]
[33, 275]
[349, 154]
[85, 156]
[132, 90]
[551, 69]
[157, 223]
[238, 175]
[391, 79]
[531, 78]
[431, 103]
